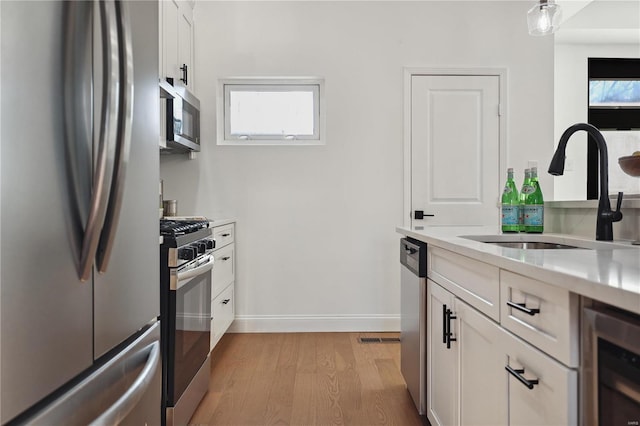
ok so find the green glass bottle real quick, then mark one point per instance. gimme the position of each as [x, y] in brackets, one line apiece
[523, 195]
[510, 205]
[534, 206]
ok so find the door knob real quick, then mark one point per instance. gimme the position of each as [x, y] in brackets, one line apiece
[420, 214]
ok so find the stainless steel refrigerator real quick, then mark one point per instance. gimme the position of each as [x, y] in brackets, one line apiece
[79, 173]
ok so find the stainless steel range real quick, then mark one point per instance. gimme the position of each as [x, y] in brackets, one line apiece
[186, 261]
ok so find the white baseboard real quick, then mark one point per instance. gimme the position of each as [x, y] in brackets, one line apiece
[314, 323]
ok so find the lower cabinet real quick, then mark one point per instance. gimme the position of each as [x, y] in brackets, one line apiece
[481, 374]
[442, 361]
[223, 282]
[542, 391]
[223, 312]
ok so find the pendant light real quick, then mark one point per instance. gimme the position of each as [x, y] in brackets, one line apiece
[544, 18]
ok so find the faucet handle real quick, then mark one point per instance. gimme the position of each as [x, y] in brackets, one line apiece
[617, 214]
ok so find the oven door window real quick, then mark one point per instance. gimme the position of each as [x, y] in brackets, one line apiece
[192, 331]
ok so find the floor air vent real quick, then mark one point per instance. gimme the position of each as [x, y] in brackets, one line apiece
[379, 339]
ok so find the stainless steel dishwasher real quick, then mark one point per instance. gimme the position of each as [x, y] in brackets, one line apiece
[413, 319]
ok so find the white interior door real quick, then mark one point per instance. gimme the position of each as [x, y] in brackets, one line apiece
[455, 149]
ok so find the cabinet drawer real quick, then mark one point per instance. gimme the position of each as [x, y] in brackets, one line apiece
[552, 321]
[223, 235]
[223, 269]
[223, 313]
[476, 283]
[553, 400]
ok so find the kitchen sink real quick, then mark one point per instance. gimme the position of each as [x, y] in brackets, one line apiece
[532, 245]
[544, 242]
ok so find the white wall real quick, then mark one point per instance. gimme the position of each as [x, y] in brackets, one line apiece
[316, 241]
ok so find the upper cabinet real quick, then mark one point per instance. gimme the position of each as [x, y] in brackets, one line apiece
[176, 42]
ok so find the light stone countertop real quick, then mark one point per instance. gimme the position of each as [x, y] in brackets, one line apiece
[609, 273]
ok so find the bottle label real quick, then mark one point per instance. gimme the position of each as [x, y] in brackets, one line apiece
[533, 215]
[510, 214]
[507, 190]
[528, 189]
[521, 216]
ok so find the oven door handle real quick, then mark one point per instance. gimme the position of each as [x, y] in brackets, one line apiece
[183, 277]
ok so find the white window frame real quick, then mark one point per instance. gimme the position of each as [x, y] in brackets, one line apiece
[270, 84]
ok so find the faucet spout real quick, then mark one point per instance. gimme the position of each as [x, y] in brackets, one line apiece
[606, 216]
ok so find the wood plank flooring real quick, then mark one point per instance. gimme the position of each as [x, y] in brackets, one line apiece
[306, 379]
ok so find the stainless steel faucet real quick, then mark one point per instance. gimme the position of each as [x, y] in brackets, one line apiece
[606, 216]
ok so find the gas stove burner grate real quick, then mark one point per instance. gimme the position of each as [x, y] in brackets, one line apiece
[174, 228]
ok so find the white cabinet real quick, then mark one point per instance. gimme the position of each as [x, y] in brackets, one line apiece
[442, 362]
[541, 390]
[475, 282]
[466, 383]
[481, 359]
[493, 363]
[176, 42]
[222, 282]
[541, 314]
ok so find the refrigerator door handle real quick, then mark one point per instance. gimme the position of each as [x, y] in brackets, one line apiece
[103, 173]
[128, 401]
[123, 147]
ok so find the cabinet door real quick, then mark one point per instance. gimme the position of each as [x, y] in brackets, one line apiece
[483, 393]
[442, 362]
[170, 58]
[185, 46]
[223, 312]
[553, 400]
[223, 269]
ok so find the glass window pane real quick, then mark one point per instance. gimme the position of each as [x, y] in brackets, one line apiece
[271, 113]
[614, 93]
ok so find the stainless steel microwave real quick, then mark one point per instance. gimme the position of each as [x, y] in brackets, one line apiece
[182, 119]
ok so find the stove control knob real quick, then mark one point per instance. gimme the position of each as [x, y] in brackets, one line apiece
[211, 244]
[202, 246]
[187, 253]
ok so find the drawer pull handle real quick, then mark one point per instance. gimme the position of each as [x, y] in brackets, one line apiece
[518, 375]
[444, 323]
[225, 235]
[226, 258]
[522, 307]
[449, 333]
[225, 301]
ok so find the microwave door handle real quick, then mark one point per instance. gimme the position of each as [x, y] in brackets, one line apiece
[123, 147]
[102, 174]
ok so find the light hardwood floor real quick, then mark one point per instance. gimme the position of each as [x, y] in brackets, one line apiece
[306, 379]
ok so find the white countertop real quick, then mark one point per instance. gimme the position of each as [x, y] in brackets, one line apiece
[609, 273]
[220, 222]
